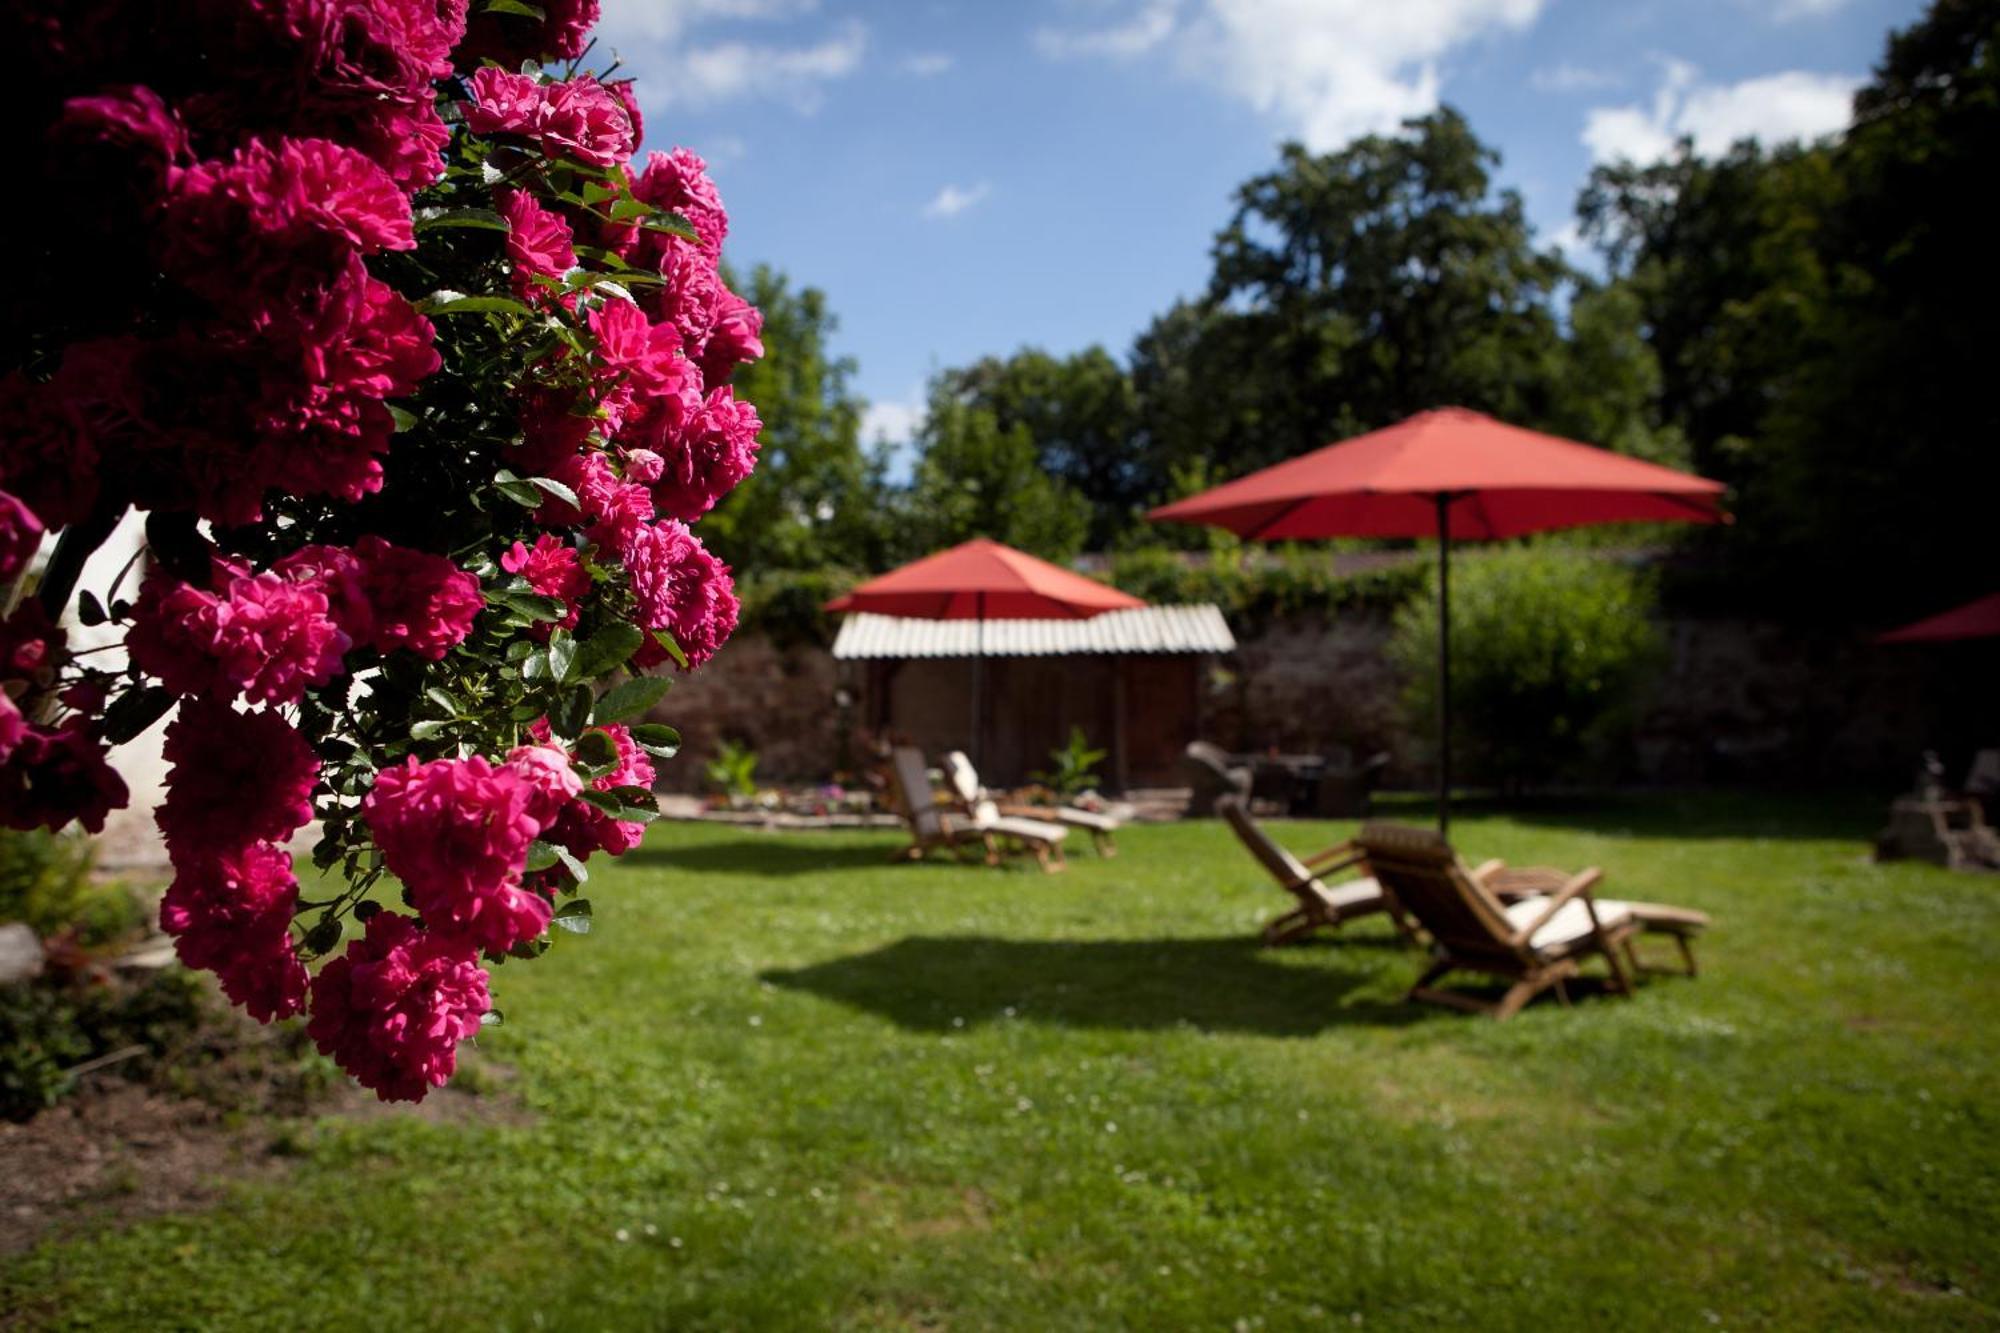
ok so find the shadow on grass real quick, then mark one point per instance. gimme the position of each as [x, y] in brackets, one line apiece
[1835, 816]
[938, 983]
[768, 854]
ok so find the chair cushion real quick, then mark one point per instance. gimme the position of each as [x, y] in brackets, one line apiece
[1569, 926]
[1089, 819]
[1349, 894]
[1034, 830]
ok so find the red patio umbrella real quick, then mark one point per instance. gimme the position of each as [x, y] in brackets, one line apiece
[1448, 473]
[984, 580]
[1978, 619]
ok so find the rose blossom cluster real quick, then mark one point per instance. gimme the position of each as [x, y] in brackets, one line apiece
[250, 173]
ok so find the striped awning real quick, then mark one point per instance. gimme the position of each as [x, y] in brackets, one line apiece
[1151, 629]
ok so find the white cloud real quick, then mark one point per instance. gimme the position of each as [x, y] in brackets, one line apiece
[1571, 79]
[1328, 69]
[1771, 108]
[670, 43]
[895, 420]
[952, 200]
[929, 64]
[1787, 10]
[1137, 35]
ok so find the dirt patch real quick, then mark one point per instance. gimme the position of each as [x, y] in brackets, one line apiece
[119, 1152]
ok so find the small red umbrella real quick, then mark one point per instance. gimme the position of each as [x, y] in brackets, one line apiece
[1449, 473]
[984, 580]
[1979, 619]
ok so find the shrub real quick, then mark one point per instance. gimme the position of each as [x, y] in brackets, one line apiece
[45, 881]
[1546, 648]
[1074, 766]
[733, 771]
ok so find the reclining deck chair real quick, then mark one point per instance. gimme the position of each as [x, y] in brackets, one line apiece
[1319, 904]
[964, 780]
[1537, 941]
[933, 825]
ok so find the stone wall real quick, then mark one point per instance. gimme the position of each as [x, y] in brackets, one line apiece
[778, 700]
[1735, 701]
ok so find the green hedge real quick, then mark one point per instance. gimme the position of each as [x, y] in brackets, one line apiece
[1254, 588]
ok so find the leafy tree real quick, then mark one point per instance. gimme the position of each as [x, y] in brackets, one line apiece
[1547, 647]
[1080, 411]
[816, 498]
[1375, 281]
[1821, 319]
[974, 478]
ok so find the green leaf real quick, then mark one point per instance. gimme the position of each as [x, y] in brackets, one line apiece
[657, 739]
[571, 864]
[423, 731]
[562, 656]
[555, 488]
[572, 714]
[629, 209]
[532, 605]
[595, 749]
[485, 219]
[520, 7]
[323, 937]
[607, 650]
[536, 667]
[474, 305]
[492, 1018]
[442, 700]
[541, 855]
[574, 916]
[403, 417]
[135, 710]
[630, 698]
[89, 611]
[520, 492]
[174, 541]
[673, 224]
[673, 648]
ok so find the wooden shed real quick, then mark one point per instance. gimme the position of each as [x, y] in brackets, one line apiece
[1133, 680]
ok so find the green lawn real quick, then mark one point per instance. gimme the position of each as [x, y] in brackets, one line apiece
[786, 1085]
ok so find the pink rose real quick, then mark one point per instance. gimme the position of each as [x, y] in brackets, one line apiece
[582, 827]
[419, 601]
[20, 535]
[538, 243]
[737, 337]
[681, 589]
[563, 33]
[548, 772]
[679, 181]
[456, 832]
[717, 451]
[230, 912]
[54, 775]
[261, 635]
[392, 1010]
[236, 778]
[552, 570]
[271, 224]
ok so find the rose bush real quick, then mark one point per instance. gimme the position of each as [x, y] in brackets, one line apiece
[420, 382]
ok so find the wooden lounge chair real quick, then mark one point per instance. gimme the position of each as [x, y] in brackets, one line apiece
[1212, 775]
[964, 780]
[1537, 941]
[933, 825]
[1319, 904]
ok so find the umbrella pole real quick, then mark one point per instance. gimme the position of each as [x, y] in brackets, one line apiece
[979, 682]
[1444, 662]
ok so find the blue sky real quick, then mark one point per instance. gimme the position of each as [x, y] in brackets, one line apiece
[969, 178]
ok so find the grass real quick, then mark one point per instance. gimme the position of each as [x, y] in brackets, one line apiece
[785, 1085]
